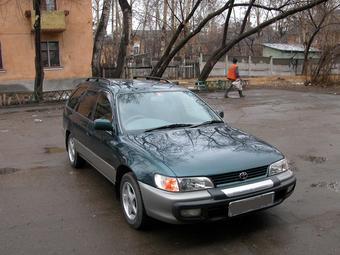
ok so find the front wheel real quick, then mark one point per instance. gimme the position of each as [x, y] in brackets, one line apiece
[132, 203]
[75, 160]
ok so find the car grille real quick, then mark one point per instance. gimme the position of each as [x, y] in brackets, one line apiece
[221, 179]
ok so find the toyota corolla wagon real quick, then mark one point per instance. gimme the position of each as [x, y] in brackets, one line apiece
[169, 154]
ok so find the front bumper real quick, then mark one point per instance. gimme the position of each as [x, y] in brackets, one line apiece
[214, 203]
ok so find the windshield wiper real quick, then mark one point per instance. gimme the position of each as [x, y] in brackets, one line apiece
[207, 123]
[168, 126]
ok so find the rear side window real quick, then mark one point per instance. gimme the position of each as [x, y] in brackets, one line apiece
[103, 108]
[87, 103]
[72, 102]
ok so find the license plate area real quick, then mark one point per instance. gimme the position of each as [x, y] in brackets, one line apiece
[250, 204]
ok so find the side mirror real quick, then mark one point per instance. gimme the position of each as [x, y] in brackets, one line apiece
[221, 114]
[103, 124]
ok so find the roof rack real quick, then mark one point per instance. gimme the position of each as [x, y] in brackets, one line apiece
[152, 78]
[97, 79]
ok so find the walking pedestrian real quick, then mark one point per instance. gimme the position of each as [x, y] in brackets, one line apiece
[234, 77]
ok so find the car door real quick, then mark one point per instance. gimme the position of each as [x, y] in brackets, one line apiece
[70, 108]
[103, 143]
[82, 120]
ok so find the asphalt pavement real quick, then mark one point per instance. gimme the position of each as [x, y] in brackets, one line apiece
[46, 207]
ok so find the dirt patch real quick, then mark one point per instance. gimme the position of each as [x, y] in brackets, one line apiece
[334, 186]
[313, 159]
[8, 170]
[319, 185]
[293, 167]
[49, 150]
[291, 83]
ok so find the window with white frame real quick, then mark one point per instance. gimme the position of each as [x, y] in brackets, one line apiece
[1, 66]
[48, 5]
[50, 54]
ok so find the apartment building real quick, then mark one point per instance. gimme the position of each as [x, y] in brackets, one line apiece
[66, 43]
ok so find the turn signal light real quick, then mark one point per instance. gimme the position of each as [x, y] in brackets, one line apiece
[166, 183]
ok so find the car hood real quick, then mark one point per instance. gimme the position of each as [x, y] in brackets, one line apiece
[206, 150]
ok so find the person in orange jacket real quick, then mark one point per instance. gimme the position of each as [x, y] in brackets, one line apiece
[233, 75]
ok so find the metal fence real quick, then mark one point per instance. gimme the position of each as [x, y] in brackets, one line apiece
[22, 98]
[185, 71]
[262, 66]
[248, 66]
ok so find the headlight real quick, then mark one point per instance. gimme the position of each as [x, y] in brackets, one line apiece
[278, 167]
[182, 184]
[194, 183]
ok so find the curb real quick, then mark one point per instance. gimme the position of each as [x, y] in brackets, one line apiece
[34, 107]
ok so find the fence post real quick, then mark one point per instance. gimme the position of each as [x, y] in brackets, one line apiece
[271, 66]
[183, 70]
[194, 67]
[249, 66]
[200, 64]
[226, 65]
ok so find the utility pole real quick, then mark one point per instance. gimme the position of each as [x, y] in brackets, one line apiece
[39, 72]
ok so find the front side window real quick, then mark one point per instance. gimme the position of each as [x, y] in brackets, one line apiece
[1, 66]
[141, 111]
[74, 98]
[103, 108]
[87, 103]
[48, 5]
[50, 54]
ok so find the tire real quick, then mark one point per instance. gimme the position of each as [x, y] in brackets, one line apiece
[132, 202]
[75, 160]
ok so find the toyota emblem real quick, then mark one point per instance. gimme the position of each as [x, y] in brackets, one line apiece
[243, 175]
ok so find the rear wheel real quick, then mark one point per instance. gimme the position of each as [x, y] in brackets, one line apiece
[131, 202]
[76, 161]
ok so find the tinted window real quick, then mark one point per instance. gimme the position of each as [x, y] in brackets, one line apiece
[87, 103]
[103, 108]
[72, 102]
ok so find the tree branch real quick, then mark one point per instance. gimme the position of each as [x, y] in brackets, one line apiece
[246, 16]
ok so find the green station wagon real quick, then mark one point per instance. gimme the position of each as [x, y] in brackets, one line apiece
[169, 154]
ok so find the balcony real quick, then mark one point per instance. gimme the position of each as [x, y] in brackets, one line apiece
[51, 21]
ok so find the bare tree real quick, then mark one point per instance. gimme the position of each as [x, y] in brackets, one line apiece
[96, 10]
[244, 33]
[170, 51]
[39, 71]
[164, 25]
[99, 38]
[125, 37]
[313, 21]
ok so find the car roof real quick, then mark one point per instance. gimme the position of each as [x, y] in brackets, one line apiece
[132, 85]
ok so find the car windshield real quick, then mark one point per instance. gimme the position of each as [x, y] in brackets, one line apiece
[152, 110]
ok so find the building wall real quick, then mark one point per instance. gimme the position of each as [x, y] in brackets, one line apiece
[269, 52]
[17, 42]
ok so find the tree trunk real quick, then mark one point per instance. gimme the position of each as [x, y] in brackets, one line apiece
[164, 25]
[99, 39]
[173, 6]
[39, 71]
[306, 53]
[223, 50]
[97, 12]
[125, 39]
[118, 23]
